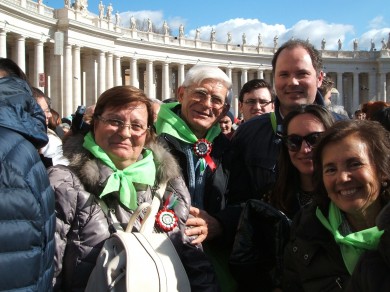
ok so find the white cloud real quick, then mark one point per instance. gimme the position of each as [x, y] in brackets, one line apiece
[377, 22]
[314, 30]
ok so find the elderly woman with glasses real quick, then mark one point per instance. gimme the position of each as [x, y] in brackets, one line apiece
[118, 162]
[351, 179]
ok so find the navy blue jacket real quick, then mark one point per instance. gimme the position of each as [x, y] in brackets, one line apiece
[27, 218]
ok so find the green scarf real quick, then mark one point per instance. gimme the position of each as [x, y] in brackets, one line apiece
[170, 123]
[142, 171]
[354, 244]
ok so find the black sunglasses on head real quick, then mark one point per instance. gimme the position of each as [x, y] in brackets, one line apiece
[294, 142]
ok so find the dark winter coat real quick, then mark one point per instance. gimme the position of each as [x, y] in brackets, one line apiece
[372, 271]
[27, 218]
[312, 259]
[82, 226]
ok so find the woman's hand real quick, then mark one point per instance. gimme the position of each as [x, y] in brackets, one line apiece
[203, 225]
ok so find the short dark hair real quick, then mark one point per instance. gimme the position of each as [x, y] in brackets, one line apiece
[255, 84]
[372, 134]
[313, 52]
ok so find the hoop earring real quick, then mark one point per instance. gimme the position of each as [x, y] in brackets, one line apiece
[384, 184]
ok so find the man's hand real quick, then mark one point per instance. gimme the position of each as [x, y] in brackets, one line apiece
[203, 225]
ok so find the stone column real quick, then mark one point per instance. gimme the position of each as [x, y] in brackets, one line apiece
[150, 79]
[117, 71]
[21, 52]
[356, 92]
[134, 73]
[340, 87]
[244, 76]
[166, 88]
[181, 75]
[260, 74]
[76, 77]
[110, 71]
[371, 85]
[3, 44]
[101, 73]
[68, 81]
[229, 73]
[382, 86]
[38, 63]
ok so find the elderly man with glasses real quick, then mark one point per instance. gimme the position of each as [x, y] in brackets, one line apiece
[190, 129]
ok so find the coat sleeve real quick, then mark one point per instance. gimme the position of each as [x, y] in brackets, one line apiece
[66, 187]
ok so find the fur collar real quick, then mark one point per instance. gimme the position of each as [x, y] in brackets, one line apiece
[92, 172]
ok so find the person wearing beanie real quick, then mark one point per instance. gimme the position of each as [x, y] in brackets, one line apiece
[226, 124]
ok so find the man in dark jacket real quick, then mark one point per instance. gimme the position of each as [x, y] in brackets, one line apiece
[27, 218]
[297, 72]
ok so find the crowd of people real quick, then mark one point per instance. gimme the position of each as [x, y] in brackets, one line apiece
[292, 197]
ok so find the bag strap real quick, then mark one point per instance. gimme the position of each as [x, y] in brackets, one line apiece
[148, 220]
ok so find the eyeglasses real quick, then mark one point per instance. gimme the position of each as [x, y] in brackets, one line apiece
[294, 142]
[199, 95]
[253, 102]
[136, 129]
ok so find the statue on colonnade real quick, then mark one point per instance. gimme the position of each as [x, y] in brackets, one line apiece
[384, 45]
[133, 23]
[197, 34]
[117, 19]
[181, 30]
[109, 12]
[355, 45]
[372, 45]
[323, 44]
[212, 35]
[244, 38]
[340, 44]
[229, 37]
[101, 9]
[165, 28]
[259, 40]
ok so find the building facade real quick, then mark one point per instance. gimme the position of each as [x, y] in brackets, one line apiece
[74, 55]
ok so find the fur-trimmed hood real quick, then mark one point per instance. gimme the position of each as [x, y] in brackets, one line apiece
[93, 172]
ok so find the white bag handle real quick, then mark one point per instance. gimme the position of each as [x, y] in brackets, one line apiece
[147, 223]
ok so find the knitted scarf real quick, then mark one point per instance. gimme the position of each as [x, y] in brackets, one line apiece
[142, 171]
[170, 123]
[354, 244]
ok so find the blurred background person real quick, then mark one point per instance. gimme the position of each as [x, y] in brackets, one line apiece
[351, 174]
[371, 107]
[27, 218]
[359, 115]
[52, 152]
[226, 124]
[383, 117]
[256, 98]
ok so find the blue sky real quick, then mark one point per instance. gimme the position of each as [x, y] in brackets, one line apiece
[330, 19]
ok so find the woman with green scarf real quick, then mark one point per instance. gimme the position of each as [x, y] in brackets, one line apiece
[351, 175]
[117, 161]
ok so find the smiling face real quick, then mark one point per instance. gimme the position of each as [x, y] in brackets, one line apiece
[303, 125]
[120, 144]
[296, 80]
[255, 103]
[350, 177]
[203, 105]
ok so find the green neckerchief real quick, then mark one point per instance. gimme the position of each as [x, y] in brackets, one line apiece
[354, 244]
[170, 123]
[142, 171]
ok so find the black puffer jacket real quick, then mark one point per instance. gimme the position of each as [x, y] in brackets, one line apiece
[312, 259]
[372, 271]
[27, 217]
[82, 226]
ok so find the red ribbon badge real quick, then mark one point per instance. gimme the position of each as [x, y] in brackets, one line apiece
[202, 148]
[166, 218]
